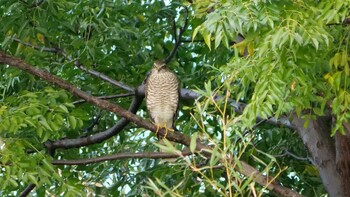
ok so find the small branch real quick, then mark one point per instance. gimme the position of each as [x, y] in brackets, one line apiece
[46, 49]
[195, 40]
[149, 155]
[77, 64]
[106, 97]
[94, 122]
[104, 77]
[177, 38]
[27, 190]
[174, 30]
[286, 152]
[98, 137]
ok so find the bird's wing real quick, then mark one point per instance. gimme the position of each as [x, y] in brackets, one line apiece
[145, 83]
[178, 102]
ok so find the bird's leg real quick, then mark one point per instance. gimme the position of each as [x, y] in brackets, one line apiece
[166, 131]
[158, 127]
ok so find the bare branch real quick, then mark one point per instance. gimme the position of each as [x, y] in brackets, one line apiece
[39, 48]
[190, 41]
[267, 181]
[27, 190]
[287, 153]
[94, 122]
[149, 155]
[104, 77]
[106, 97]
[177, 38]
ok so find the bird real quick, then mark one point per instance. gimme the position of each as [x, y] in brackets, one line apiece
[162, 92]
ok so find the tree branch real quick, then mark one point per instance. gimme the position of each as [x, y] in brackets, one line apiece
[149, 155]
[286, 152]
[95, 121]
[77, 64]
[106, 97]
[104, 77]
[98, 137]
[39, 48]
[177, 38]
[322, 149]
[175, 136]
[27, 190]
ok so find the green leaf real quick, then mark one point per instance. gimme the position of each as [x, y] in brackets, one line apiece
[44, 123]
[72, 122]
[193, 143]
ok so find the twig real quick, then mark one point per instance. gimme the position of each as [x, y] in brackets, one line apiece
[177, 38]
[46, 49]
[195, 40]
[149, 155]
[104, 77]
[27, 190]
[106, 97]
[286, 152]
[94, 122]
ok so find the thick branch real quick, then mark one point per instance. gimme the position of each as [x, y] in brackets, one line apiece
[149, 155]
[321, 147]
[342, 144]
[266, 181]
[247, 170]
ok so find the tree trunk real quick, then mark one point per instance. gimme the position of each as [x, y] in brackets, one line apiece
[316, 137]
[342, 145]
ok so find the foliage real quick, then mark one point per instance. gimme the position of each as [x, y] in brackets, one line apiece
[294, 58]
[298, 55]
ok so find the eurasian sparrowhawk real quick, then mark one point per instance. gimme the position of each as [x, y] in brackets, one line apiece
[162, 95]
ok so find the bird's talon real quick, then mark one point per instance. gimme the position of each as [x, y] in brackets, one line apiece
[166, 133]
[157, 130]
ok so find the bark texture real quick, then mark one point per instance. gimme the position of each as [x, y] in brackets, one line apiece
[316, 137]
[342, 144]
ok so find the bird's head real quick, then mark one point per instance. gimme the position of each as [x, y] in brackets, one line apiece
[158, 65]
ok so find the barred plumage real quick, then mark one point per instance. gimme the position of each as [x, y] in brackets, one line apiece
[162, 95]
